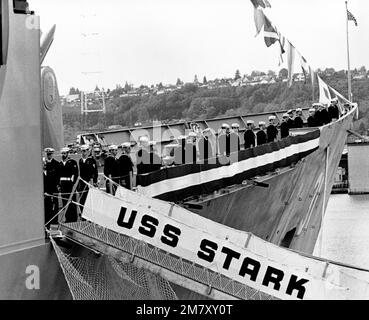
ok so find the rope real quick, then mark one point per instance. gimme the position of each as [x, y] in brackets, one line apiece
[54, 217]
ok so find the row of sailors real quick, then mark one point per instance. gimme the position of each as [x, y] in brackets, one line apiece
[201, 145]
[320, 115]
[228, 139]
[206, 144]
[61, 176]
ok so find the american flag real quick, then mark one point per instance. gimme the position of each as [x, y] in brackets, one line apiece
[350, 16]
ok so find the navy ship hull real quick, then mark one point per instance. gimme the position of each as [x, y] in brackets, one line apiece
[289, 211]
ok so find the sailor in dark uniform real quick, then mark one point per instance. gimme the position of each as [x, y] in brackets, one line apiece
[111, 169]
[333, 110]
[204, 146]
[97, 156]
[298, 122]
[68, 169]
[88, 173]
[249, 135]
[311, 120]
[261, 136]
[235, 138]
[290, 120]
[222, 139]
[51, 185]
[284, 127]
[143, 156]
[272, 131]
[326, 119]
[318, 115]
[230, 145]
[126, 166]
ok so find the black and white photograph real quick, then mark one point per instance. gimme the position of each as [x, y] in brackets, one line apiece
[197, 152]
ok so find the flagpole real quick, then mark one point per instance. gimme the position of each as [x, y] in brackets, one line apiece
[348, 59]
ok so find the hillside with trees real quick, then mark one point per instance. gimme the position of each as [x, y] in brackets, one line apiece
[258, 92]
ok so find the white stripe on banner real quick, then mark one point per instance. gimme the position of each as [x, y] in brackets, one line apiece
[193, 179]
[238, 255]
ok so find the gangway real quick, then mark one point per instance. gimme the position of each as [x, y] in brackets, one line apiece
[203, 256]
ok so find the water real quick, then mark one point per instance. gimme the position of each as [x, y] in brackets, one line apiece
[346, 230]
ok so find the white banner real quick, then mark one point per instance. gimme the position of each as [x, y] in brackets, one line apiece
[324, 94]
[186, 181]
[238, 255]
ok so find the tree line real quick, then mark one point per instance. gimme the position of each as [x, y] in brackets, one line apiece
[195, 102]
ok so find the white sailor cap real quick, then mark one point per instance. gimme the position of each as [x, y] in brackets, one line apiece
[311, 110]
[225, 126]
[144, 139]
[261, 123]
[65, 149]
[113, 147]
[85, 147]
[126, 145]
[250, 122]
[152, 143]
[97, 149]
[290, 111]
[285, 115]
[272, 117]
[235, 125]
[298, 110]
[317, 104]
[49, 150]
[192, 134]
[181, 137]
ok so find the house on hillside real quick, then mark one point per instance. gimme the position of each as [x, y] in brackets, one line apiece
[299, 77]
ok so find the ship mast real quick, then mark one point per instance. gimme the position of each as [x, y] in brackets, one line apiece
[348, 58]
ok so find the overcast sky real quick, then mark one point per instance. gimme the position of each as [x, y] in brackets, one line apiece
[152, 41]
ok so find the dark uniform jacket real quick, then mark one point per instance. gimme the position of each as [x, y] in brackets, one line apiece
[312, 121]
[249, 139]
[318, 118]
[88, 169]
[125, 165]
[261, 137]
[68, 171]
[325, 117]
[272, 133]
[333, 112]
[285, 130]
[299, 123]
[111, 167]
[291, 123]
[51, 177]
